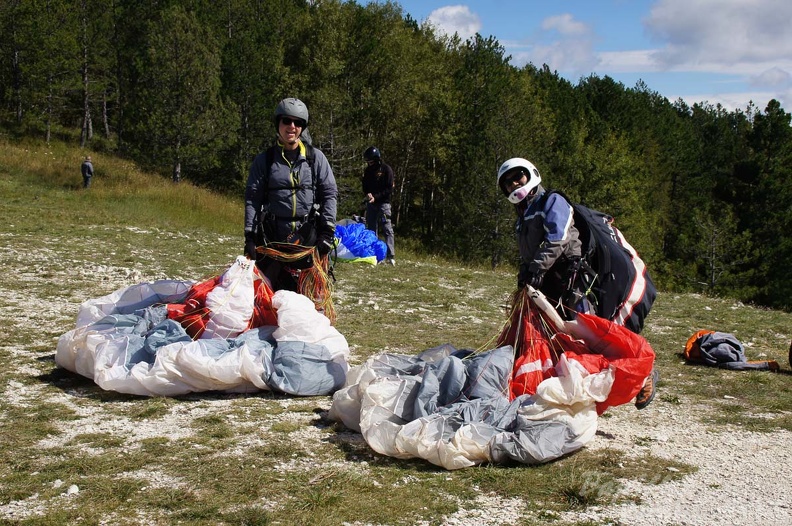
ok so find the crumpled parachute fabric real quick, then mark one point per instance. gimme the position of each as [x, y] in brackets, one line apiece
[397, 403]
[457, 409]
[126, 342]
[358, 243]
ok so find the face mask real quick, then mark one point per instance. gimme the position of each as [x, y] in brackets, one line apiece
[519, 194]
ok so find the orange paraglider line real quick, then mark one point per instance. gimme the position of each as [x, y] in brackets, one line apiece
[313, 282]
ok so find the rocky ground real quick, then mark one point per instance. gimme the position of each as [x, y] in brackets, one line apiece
[743, 477]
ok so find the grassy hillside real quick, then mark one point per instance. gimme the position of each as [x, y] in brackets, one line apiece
[270, 459]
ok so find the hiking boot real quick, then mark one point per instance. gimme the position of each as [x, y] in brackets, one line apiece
[647, 392]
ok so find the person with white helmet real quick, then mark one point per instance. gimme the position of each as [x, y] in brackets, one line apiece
[549, 242]
[291, 196]
[550, 247]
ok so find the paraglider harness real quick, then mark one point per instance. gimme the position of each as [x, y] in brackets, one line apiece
[304, 236]
[609, 274]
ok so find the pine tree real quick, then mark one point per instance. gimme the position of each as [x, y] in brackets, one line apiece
[181, 119]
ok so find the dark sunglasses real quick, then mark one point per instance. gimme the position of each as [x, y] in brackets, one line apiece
[513, 177]
[297, 122]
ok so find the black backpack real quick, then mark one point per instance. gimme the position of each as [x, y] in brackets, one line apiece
[623, 291]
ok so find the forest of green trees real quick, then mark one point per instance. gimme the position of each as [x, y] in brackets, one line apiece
[187, 88]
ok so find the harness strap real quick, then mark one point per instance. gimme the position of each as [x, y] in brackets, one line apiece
[269, 157]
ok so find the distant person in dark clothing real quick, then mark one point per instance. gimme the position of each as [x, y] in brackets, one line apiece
[378, 187]
[87, 171]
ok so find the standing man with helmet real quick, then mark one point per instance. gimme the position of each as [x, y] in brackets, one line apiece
[378, 187]
[290, 198]
[550, 247]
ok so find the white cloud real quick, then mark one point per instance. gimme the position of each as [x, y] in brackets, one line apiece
[567, 47]
[458, 19]
[568, 56]
[635, 61]
[646, 60]
[744, 42]
[736, 34]
[773, 77]
[566, 25]
[748, 39]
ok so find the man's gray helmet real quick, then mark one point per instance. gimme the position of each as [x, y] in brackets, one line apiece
[372, 154]
[525, 166]
[291, 107]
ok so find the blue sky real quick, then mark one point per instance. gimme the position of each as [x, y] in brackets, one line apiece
[719, 51]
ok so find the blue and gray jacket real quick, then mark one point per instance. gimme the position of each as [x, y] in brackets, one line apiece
[546, 232]
[284, 193]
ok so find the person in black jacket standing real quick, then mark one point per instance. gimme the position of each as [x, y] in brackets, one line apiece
[378, 187]
[87, 171]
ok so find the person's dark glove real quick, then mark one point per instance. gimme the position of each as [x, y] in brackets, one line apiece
[324, 245]
[523, 275]
[527, 277]
[535, 279]
[250, 245]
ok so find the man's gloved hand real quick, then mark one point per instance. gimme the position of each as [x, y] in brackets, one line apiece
[527, 277]
[324, 245]
[250, 245]
[535, 279]
[325, 239]
[523, 275]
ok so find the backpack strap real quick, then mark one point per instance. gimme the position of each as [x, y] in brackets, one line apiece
[310, 157]
[591, 266]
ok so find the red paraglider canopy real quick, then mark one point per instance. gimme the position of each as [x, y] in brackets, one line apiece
[540, 337]
[193, 315]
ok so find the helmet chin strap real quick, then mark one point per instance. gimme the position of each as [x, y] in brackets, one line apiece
[519, 194]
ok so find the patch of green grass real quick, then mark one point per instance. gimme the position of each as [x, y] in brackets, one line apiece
[344, 497]
[581, 480]
[765, 335]
[23, 426]
[155, 446]
[410, 295]
[98, 440]
[285, 427]
[212, 427]
[148, 408]
[671, 399]
[247, 516]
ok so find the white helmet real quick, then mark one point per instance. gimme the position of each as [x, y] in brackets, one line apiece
[525, 166]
